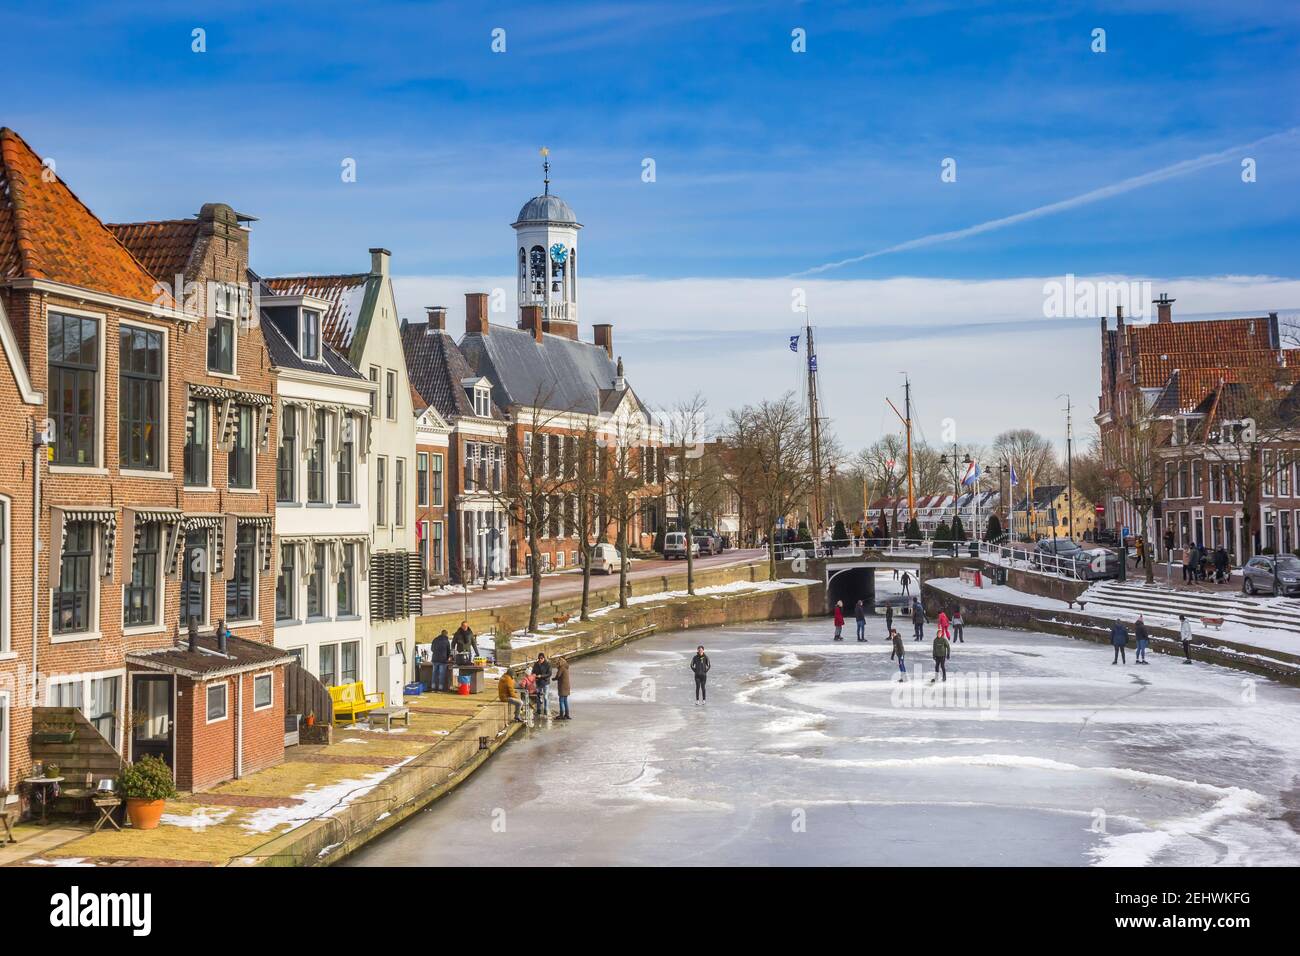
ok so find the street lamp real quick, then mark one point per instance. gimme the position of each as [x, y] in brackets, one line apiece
[945, 460]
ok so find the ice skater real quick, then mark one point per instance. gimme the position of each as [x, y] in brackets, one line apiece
[1185, 635]
[957, 626]
[942, 622]
[700, 668]
[839, 620]
[1119, 639]
[898, 651]
[889, 619]
[918, 622]
[942, 651]
[1143, 639]
[860, 615]
[907, 580]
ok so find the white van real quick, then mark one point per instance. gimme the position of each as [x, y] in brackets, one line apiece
[605, 557]
[675, 545]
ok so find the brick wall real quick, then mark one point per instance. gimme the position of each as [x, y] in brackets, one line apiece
[206, 752]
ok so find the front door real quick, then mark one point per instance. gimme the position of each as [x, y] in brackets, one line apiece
[152, 724]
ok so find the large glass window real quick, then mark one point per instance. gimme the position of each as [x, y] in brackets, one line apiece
[198, 443]
[347, 583]
[194, 578]
[221, 346]
[435, 555]
[72, 598]
[240, 464]
[286, 461]
[105, 704]
[343, 493]
[316, 582]
[217, 696]
[74, 387]
[241, 589]
[140, 368]
[285, 584]
[422, 479]
[350, 656]
[316, 461]
[140, 596]
[329, 665]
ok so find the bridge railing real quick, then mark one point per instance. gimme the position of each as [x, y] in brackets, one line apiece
[1006, 553]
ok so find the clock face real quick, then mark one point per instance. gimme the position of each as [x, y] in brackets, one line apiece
[559, 253]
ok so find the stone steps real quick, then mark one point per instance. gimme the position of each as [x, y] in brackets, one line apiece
[1231, 608]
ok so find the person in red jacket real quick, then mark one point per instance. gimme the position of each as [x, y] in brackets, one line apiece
[839, 619]
[943, 624]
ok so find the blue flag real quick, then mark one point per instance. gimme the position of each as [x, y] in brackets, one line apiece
[794, 343]
[1015, 479]
[812, 363]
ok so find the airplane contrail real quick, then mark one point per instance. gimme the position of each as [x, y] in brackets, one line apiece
[1083, 199]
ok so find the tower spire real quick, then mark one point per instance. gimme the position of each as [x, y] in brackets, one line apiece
[546, 171]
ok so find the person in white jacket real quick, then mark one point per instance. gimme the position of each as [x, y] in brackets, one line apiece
[1185, 633]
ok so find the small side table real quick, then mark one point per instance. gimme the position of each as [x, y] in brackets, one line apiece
[45, 787]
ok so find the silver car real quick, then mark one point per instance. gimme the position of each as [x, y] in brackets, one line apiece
[1262, 572]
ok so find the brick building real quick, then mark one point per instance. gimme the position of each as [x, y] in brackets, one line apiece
[432, 451]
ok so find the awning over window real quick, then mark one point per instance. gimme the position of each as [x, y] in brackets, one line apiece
[134, 520]
[264, 537]
[61, 516]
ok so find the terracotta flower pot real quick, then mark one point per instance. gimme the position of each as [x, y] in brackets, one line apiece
[144, 814]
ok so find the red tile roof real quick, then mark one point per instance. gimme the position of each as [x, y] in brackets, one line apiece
[162, 247]
[46, 232]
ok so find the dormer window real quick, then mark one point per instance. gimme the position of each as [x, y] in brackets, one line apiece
[482, 402]
[309, 336]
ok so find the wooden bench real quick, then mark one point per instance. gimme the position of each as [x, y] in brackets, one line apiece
[351, 701]
[1214, 622]
[389, 714]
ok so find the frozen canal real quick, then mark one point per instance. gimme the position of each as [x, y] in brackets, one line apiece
[807, 754]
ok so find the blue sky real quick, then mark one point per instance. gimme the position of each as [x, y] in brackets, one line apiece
[768, 162]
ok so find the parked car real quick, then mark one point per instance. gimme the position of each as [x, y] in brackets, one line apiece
[1258, 574]
[1091, 564]
[605, 558]
[709, 541]
[675, 545]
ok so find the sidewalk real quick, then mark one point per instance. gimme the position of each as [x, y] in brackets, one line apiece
[238, 822]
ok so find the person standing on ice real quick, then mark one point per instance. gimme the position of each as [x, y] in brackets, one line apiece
[1119, 639]
[889, 619]
[907, 580]
[860, 615]
[700, 668]
[943, 624]
[918, 621]
[898, 651]
[1143, 639]
[839, 619]
[942, 651]
[957, 626]
[1185, 635]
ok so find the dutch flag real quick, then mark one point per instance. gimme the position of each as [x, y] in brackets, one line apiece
[973, 471]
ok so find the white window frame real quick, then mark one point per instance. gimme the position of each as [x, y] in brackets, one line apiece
[436, 501]
[399, 492]
[302, 325]
[95, 632]
[207, 707]
[270, 677]
[390, 394]
[160, 586]
[101, 407]
[374, 395]
[219, 315]
[84, 678]
[423, 457]
[164, 391]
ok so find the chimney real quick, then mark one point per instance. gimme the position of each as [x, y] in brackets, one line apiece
[1274, 333]
[379, 262]
[437, 317]
[476, 313]
[605, 337]
[532, 321]
[1164, 308]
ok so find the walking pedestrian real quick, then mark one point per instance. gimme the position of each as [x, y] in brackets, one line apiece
[957, 626]
[918, 623]
[1140, 632]
[1187, 565]
[860, 615]
[441, 657]
[1220, 564]
[700, 668]
[942, 651]
[542, 671]
[942, 623]
[907, 580]
[1139, 553]
[1119, 639]
[839, 619]
[889, 618]
[898, 651]
[562, 687]
[1185, 634]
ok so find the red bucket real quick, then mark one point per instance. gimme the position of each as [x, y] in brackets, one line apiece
[462, 689]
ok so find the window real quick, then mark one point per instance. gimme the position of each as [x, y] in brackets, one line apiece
[241, 589]
[285, 461]
[471, 456]
[263, 693]
[343, 493]
[436, 547]
[390, 395]
[437, 481]
[74, 387]
[349, 657]
[422, 479]
[329, 675]
[72, 598]
[140, 372]
[198, 443]
[497, 457]
[194, 579]
[310, 334]
[374, 396]
[399, 491]
[347, 588]
[284, 585]
[140, 596]
[381, 481]
[221, 345]
[105, 702]
[316, 461]
[240, 459]
[316, 583]
[4, 602]
[482, 402]
[217, 702]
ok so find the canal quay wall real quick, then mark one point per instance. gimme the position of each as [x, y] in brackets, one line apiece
[1081, 625]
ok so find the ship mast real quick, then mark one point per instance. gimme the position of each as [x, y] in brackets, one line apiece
[815, 436]
[906, 418]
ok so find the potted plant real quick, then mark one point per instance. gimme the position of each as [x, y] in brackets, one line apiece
[146, 785]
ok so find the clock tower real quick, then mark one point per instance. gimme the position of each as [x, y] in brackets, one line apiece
[546, 254]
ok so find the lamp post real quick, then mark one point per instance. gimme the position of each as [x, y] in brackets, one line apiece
[945, 459]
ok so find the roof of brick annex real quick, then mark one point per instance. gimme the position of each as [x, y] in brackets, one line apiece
[163, 246]
[46, 232]
[241, 655]
[346, 295]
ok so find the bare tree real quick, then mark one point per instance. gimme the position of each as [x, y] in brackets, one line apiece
[622, 464]
[774, 432]
[694, 478]
[587, 485]
[1032, 455]
[1134, 470]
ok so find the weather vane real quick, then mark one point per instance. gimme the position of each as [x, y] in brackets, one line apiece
[546, 169]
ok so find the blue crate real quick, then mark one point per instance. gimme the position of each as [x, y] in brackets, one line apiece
[414, 689]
